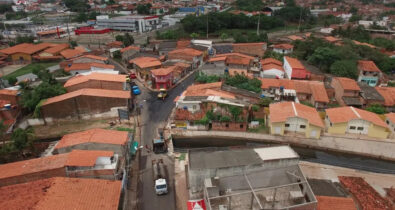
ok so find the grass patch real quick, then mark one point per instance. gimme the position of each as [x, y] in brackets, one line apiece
[28, 69]
[124, 129]
[182, 156]
[260, 129]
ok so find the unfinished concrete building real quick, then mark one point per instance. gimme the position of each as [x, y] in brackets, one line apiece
[260, 178]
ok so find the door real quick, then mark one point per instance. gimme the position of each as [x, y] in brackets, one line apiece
[277, 130]
[313, 133]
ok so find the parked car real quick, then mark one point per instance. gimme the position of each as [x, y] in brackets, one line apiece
[132, 75]
[162, 94]
[136, 90]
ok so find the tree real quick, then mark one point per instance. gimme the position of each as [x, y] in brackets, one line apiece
[376, 108]
[81, 17]
[5, 8]
[194, 35]
[117, 54]
[235, 111]
[323, 57]
[3, 128]
[265, 102]
[127, 39]
[242, 82]
[73, 43]
[144, 9]
[119, 38]
[344, 68]
[12, 80]
[249, 5]
[77, 5]
[20, 138]
[24, 39]
[353, 10]
[224, 36]
[32, 97]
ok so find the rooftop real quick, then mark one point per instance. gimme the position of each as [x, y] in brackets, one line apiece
[283, 46]
[294, 63]
[78, 79]
[271, 61]
[94, 135]
[62, 194]
[146, 62]
[83, 158]
[345, 114]
[338, 203]
[186, 51]
[238, 157]
[57, 48]
[70, 53]
[391, 117]
[368, 66]
[347, 83]
[87, 66]
[26, 48]
[162, 71]
[369, 93]
[280, 112]
[89, 92]
[94, 57]
[136, 48]
[388, 93]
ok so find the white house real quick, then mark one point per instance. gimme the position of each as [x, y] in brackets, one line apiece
[272, 68]
[87, 68]
[390, 120]
[283, 48]
[326, 30]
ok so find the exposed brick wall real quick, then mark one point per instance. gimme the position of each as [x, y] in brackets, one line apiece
[13, 99]
[81, 105]
[97, 85]
[254, 50]
[59, 172]
[229, 126]
[98, 174]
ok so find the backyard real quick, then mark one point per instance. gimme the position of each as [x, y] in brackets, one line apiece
[28, 69]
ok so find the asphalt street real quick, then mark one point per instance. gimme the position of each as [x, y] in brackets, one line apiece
[155, 114]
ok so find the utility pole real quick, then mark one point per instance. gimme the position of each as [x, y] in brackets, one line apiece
[259, 20]
[68, 31]
[207, 26]
[300, 16]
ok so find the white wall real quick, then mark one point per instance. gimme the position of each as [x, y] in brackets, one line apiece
[275, 72]
[358, 123]
[192, 106]
[295, 123]
[282, 51]
[287, 69]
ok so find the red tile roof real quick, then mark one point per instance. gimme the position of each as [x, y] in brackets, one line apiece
[368, 66]
[388, 94]
[280, 112]
[319, 92]
[271, 61]
[294, 37]
[216, 85]
[33, 166]
[26, 48]
[62, 194]
[96, 135]
[94, 57]
[364, 44]
[55, 31]
[87, 66]
[57, 48]
[115, 44]
[183, 44]
[146, 62]
[70, 53]
[391, 117]
[9, 92]
[331, 39]
[217, 58]
[272, 66]
[366, 195]
[95, 76]
[237, 60]
[162, 71]
[89, 92]
[186, 51]
[335, 203]
[347, 113]
[85, 158]
[347, 83]
[294, 63]
[283, 46]
[136, 48]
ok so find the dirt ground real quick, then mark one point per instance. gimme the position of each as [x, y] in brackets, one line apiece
[182, 194]
[59, 129]
[10, 68]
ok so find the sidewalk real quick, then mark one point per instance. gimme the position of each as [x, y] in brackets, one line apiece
[378, 149]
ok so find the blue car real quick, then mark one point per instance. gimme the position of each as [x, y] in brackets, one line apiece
[136, 90]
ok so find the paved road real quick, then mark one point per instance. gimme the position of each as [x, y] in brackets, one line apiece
[155, 114]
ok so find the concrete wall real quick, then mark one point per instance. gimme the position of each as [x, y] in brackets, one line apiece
[378, 131]
[87, 60]
[287, 69]
[26, 58]
[93, 174]
[190, 105]
[277, 128]
[97, 84]
[282, 51]
[391, 127]
[229, 126]
[336, 128]
[116, 148]
[80, 105]
[313, 131]
[272, 72]
[58, 172]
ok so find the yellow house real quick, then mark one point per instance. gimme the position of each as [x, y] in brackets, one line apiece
[348, 119]
[294, 117]
[22, 53]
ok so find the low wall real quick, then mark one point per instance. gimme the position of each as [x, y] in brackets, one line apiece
[381, 149]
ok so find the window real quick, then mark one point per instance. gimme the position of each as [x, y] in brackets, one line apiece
[286, 125]
[330, 124]
[227, 125]
[191, 123]
[303, 126]
[388, 122]
[241, 125]
[352, 127]
[360, 128]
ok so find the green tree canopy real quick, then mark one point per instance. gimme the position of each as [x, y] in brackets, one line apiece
[77, 5]
[377, 108]
[144, 9]
[324, 57]
[249, 5]
[344, 68]
[242, 82]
